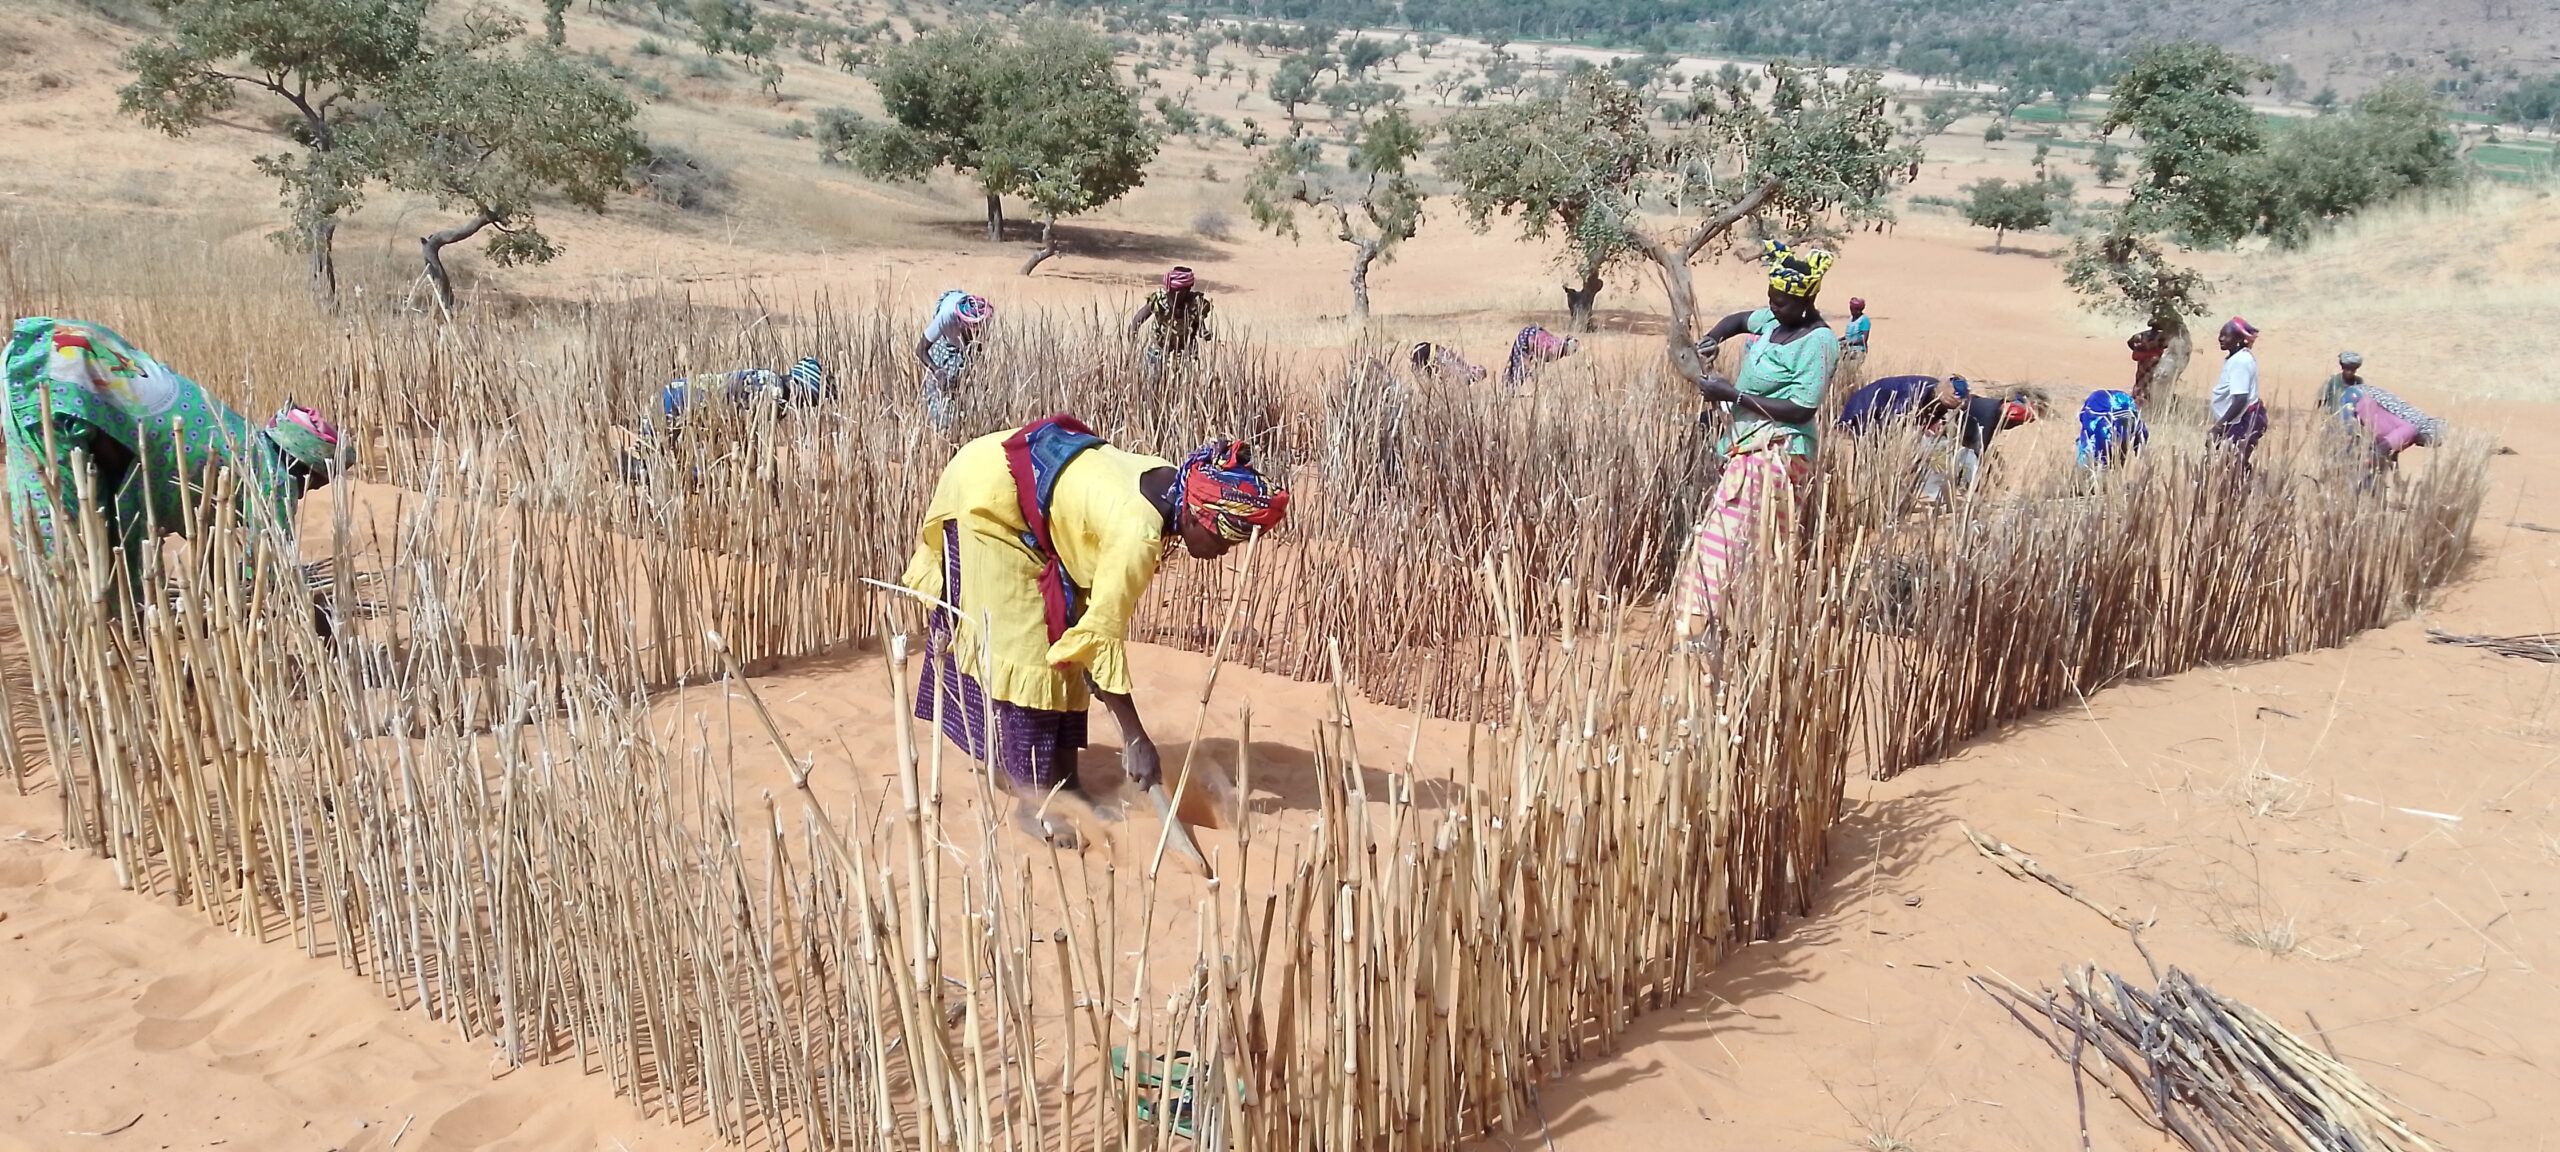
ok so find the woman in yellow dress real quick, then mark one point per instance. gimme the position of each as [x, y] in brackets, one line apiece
[1047, 535]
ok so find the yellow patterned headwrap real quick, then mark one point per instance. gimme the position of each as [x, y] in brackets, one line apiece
[1795, 271]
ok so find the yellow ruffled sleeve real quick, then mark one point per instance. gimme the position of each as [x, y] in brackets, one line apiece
[1111, 541]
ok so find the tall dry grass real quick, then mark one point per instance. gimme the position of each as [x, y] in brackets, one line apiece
[461, 796]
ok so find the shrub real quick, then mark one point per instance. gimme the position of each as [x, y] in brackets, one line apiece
[1209, 174]
[652, 87]
[648, 46]
[681, 180]
[705, 68]
[1213, 224]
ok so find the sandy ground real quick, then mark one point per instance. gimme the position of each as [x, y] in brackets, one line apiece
[2351, 840]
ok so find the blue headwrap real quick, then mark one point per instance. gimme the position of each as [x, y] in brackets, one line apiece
[2110, 427]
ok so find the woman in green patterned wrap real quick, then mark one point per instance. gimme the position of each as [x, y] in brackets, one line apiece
[83, 400]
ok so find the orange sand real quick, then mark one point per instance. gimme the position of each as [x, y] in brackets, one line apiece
[2261, 802]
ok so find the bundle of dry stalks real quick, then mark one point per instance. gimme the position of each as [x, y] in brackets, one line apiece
[2208, 1070]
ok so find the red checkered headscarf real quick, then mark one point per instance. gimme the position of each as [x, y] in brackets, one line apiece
[1222, 492]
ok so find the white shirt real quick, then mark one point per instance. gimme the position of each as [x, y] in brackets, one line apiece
[2238, 388]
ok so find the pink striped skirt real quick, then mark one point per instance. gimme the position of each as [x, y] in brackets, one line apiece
[1749, 515]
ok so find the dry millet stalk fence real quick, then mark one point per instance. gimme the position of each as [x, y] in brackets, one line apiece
[465, 797]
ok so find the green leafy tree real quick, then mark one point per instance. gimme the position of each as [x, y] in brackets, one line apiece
[2106, 162]
[2395, 141]
[728, 27]
[1041, 114]
[1293, 83]
[491, 134]
[319, 58]
[1583, 163]
[2004, 207]
[2190, 185]
[1374, 204]
[1561, 165]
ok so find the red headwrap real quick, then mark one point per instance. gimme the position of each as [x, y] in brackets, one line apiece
[1222, 492]
[1178, 279]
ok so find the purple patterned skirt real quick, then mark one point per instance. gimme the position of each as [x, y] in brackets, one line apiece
[1034, 748]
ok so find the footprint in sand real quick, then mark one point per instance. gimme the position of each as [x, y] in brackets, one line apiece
[21, 873]
[480, 1121]
[166, 1009]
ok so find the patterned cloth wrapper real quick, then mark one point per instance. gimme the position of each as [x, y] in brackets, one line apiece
[1221, 491]
[1751, 512]
[1533, 347]
[1795, 271]
[2428, 428]
[2111, 428]
[78, 390]
[1034, 748]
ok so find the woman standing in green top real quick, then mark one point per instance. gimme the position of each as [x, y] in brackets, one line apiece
[1768, 452]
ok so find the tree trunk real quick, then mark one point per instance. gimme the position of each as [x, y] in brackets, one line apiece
[1048, 244]
[995, 218]
[431, 246]
[1363, 253]
[2173, 359]
[1679, 336]
[322, 237]
[1578, 303]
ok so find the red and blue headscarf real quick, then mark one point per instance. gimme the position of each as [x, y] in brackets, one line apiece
[1222, 492]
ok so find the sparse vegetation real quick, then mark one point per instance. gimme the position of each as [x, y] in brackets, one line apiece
[1041, 115]
[679, 179]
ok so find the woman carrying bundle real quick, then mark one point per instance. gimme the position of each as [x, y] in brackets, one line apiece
[84, 405]
[1051, 535]
[949, 336]
[1776, 396]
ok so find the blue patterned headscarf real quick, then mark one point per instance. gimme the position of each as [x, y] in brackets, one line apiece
[2110, 427]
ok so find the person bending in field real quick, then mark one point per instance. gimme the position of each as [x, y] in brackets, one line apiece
[1959, 425]
[2384, 425]
[806, 383]
[2111, 430]
[1776, 397]
[1179, 312]
[85, 405]
[1442, 362]
[1534, 348]
[1051, 535]
[949, 336]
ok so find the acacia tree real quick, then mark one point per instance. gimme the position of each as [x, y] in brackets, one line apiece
[2190, 185]
[320, 58]
[1374, 202]
[1043, 115]
[1818, 146]
[2001, 206]
[1584, 163]
[1560, 163]
[489, 133]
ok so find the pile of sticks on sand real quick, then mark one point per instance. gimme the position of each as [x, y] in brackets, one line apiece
[2209, 1070]
[2543, 647]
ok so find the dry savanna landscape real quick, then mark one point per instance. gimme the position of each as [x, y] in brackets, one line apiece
[2173, 804]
